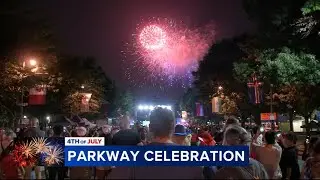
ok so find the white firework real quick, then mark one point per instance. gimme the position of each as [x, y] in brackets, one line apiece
[40, 145]
[27, 150]
[54, 155]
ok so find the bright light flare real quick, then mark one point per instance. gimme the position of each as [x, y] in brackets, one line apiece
[32, 62]
[151, 108]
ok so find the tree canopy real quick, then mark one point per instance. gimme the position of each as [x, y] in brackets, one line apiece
[26, 35]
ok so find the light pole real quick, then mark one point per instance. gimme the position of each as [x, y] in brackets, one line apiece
[31, 63]
[271, 108]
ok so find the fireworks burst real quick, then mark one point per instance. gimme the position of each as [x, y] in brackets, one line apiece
[167, 52]
[40, 145]
[54, 155]
[27, 150]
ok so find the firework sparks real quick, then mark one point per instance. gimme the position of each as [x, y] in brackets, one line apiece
[24, 154]
[27, 150]
[153, 37]
[40, 145]
[54, 155]
[167, 52]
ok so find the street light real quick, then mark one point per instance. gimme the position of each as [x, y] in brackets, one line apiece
[32, 62]
[82, 86]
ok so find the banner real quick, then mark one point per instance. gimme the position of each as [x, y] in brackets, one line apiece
[268, 116]
[37, 96]
[199, 110]
[83, 156]
[216, 105]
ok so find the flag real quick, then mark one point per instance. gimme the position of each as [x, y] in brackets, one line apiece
[255, 91]
[199, 109]
[216, 104]
[37, 96]
[85, 98]
[255, 95]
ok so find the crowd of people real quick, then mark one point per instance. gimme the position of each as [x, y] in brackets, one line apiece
[273, 155]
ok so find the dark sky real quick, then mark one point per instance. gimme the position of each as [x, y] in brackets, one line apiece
[99, 28]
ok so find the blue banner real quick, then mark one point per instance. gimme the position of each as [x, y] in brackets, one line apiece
[156, 156]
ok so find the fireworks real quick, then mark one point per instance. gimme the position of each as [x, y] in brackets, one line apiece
[167, 52]
[27, 153]
[27, 150]
[53, 155]
[40, 145]
[152, 37]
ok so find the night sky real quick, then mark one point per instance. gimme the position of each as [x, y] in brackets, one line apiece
[100, 28]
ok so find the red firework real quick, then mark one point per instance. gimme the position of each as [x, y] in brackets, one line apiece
[166, 52]
[21, 158]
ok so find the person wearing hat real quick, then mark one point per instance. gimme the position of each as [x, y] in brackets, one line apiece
[182, 135]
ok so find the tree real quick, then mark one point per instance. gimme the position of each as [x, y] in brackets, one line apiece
[274, 20]
[85, 76]
[25, 34]
[188, 100]
[215, 71]
[124, 103]
[296, 77]
[309, 23]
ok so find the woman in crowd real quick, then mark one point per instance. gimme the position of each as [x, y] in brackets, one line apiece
[236, 135]
[308, 147]
[9, 168]
[311, 168]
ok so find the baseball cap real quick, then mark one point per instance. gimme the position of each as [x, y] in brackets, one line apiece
[181, 130]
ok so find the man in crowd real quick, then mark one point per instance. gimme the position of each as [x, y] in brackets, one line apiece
[57, 170]
[33, 131]
[126, 136]
[230, 121]
[182, 135]
[269, 155]
[162, 127]
[289, 159]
